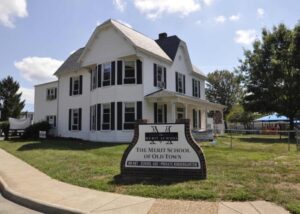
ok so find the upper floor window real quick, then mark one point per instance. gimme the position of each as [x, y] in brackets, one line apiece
[196, 88]
[129, 115]
[180, 82]
[51, 93]
[106, 117]
[106, 74]
[129, 72]
[94, 79]
[160, 76]
[76, 85]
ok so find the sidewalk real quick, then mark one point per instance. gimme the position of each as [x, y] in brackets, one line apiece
[29, 187]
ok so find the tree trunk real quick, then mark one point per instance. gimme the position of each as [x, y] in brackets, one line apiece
[292, 126]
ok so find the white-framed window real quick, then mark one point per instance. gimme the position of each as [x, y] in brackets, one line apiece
[51, 119]
[75, 119]
[196, 88]
[160, 78]
[94, 80]
[106, 70]
[76, 85]
[180, 83]
[51, 93]
[160, 113]
[130, 72]
[106, 112]
[129, 115]
[180, 113]
[93, 119]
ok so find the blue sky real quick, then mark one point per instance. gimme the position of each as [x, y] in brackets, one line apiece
[37, 36]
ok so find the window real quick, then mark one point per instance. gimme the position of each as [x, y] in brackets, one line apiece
[106, 117]
[129, 72]
[93, 117]
[94, 80]
[180, 83]
[106, 74]
[160, 76]
[196, 88]
[160, 113]
[195, 119]
[76, 86]
[180, 113]
[51, 119]
[51, 93]
[75, 119]
[129, 115]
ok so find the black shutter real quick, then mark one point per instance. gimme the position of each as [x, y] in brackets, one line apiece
[199, 119]
[71, 83]
[80, 84]
[176, 81]
[113, 72]
[55, 92]
[193, 86]
[91, 80]
[98, 116]
[120, 114]
[155, 112]
[165, 77]
[54, 121]
[199, 90]
[91, 109]
[154, 74]
[112, 116]
[99, 70]
[70, 118]
[184, 84]
[194, 119]
[165, 112]
[139, 106]
[80, 119]
[139, 72]
[120, 68]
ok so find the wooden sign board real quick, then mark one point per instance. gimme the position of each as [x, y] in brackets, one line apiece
[163, 150]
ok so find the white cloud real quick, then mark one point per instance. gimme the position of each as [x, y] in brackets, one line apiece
[120, 5]
[220, 19]
[234, 18]
[260, 12]
[27, 95]
[208, 2]
[38, 69]
[198, 22]
[246, 37]
[124, 23]
[9, 9]
[155, 9]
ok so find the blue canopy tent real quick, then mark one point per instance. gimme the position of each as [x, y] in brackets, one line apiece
[273, 118]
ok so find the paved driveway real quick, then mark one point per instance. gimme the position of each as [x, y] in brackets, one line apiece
[8, 207]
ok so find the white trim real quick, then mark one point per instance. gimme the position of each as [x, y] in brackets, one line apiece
[123, 72]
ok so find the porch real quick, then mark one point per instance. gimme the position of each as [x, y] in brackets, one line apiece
[168, 106]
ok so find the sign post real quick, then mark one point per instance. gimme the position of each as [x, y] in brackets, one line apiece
[163, 150]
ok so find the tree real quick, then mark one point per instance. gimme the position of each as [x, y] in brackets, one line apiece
[239, 115]
[224, 88]
[271, 73]
[10, 98]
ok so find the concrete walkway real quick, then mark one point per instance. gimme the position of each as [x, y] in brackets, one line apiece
[29, 187]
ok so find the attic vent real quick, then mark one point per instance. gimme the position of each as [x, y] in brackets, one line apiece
[162, 35]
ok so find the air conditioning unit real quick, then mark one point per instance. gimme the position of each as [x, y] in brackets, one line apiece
[161, 84]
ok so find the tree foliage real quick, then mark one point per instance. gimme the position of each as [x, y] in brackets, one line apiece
[271, 73]
[224, 88]
[239, 115]
[10, 98]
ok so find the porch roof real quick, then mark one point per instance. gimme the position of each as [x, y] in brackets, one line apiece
[178, 97]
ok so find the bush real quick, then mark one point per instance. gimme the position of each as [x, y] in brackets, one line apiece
[32, 131]
[4, 126]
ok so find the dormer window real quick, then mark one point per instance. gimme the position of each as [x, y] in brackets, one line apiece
[106, 74]
[180, 82]
[129, 72]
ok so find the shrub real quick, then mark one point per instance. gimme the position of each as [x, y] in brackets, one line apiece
[33, 130]
[4, 126]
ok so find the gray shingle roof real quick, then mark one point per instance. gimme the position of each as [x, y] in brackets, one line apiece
[71, 63]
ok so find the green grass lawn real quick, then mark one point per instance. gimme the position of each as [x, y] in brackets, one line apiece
[256, 168]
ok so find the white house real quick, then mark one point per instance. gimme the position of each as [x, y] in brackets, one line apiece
[120, 76]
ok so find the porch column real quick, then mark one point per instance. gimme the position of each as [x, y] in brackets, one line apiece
[203, 118]
[173, 112]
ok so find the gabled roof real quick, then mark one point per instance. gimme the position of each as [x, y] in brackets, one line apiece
[169, 45]
[137, 39]
[71, 63]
